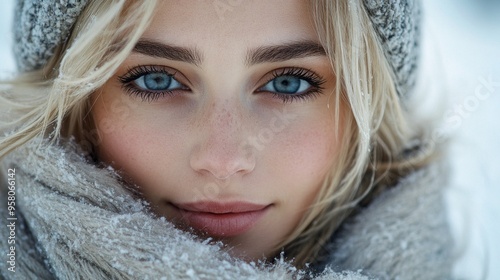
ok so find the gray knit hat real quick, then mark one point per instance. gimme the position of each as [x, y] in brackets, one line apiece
[397, 23]
[43, 24]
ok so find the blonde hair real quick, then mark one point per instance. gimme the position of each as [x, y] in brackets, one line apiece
[376, 129]
[55, 101]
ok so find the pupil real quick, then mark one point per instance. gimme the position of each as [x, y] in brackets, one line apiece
[287, 84]
[157, 81]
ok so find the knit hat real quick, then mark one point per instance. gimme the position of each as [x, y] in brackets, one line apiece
[39, 27]
[42, 25]
[397, 22]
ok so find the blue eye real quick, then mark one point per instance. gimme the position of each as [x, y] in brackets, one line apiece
[151, 82]
[287, 84]
[293, 84]
[157, 82]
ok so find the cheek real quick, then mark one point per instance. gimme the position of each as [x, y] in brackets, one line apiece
[308, 149]
[120, 137]
[126, 146]
[133, 142]
[297, 163]
[302, 157]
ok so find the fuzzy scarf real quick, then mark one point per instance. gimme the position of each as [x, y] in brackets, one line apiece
[76, 221]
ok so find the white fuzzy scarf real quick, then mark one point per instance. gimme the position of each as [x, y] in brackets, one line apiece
[76, 221]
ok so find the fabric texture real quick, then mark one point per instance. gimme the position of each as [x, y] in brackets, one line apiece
[397, 22]
[77, 221]
[42, 25]
[39, 27]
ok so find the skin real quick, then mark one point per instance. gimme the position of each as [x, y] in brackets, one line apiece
[202, 143]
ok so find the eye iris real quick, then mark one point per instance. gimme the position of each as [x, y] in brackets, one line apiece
[157, 81]
[286, 84]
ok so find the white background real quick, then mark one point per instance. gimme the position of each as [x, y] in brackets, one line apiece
[461, 49]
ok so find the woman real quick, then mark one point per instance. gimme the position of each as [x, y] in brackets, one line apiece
[221, 139]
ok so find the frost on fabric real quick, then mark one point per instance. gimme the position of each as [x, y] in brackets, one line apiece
[41, 27]
[410, 221]
[89, 226]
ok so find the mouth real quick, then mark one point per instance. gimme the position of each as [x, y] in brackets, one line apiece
[219, 219]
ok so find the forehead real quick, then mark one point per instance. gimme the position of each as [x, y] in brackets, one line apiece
[231, 23]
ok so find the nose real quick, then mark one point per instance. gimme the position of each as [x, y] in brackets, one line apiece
[220, 150]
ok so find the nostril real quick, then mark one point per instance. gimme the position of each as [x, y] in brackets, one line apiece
[223, 177]
[220, 165]
[242, 167]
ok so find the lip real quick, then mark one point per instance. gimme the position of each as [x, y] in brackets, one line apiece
[221, 219]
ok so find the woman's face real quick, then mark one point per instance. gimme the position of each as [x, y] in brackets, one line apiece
[220, 116]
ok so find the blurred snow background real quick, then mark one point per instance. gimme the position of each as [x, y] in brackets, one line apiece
[462, 54]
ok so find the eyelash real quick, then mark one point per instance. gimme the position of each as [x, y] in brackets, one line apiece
[139, 71]
[309, 76]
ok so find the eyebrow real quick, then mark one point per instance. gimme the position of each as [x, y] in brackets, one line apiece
[156, 49]
[285, 52]
[275, 53]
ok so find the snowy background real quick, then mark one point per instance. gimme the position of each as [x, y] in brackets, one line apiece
[462, 57]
